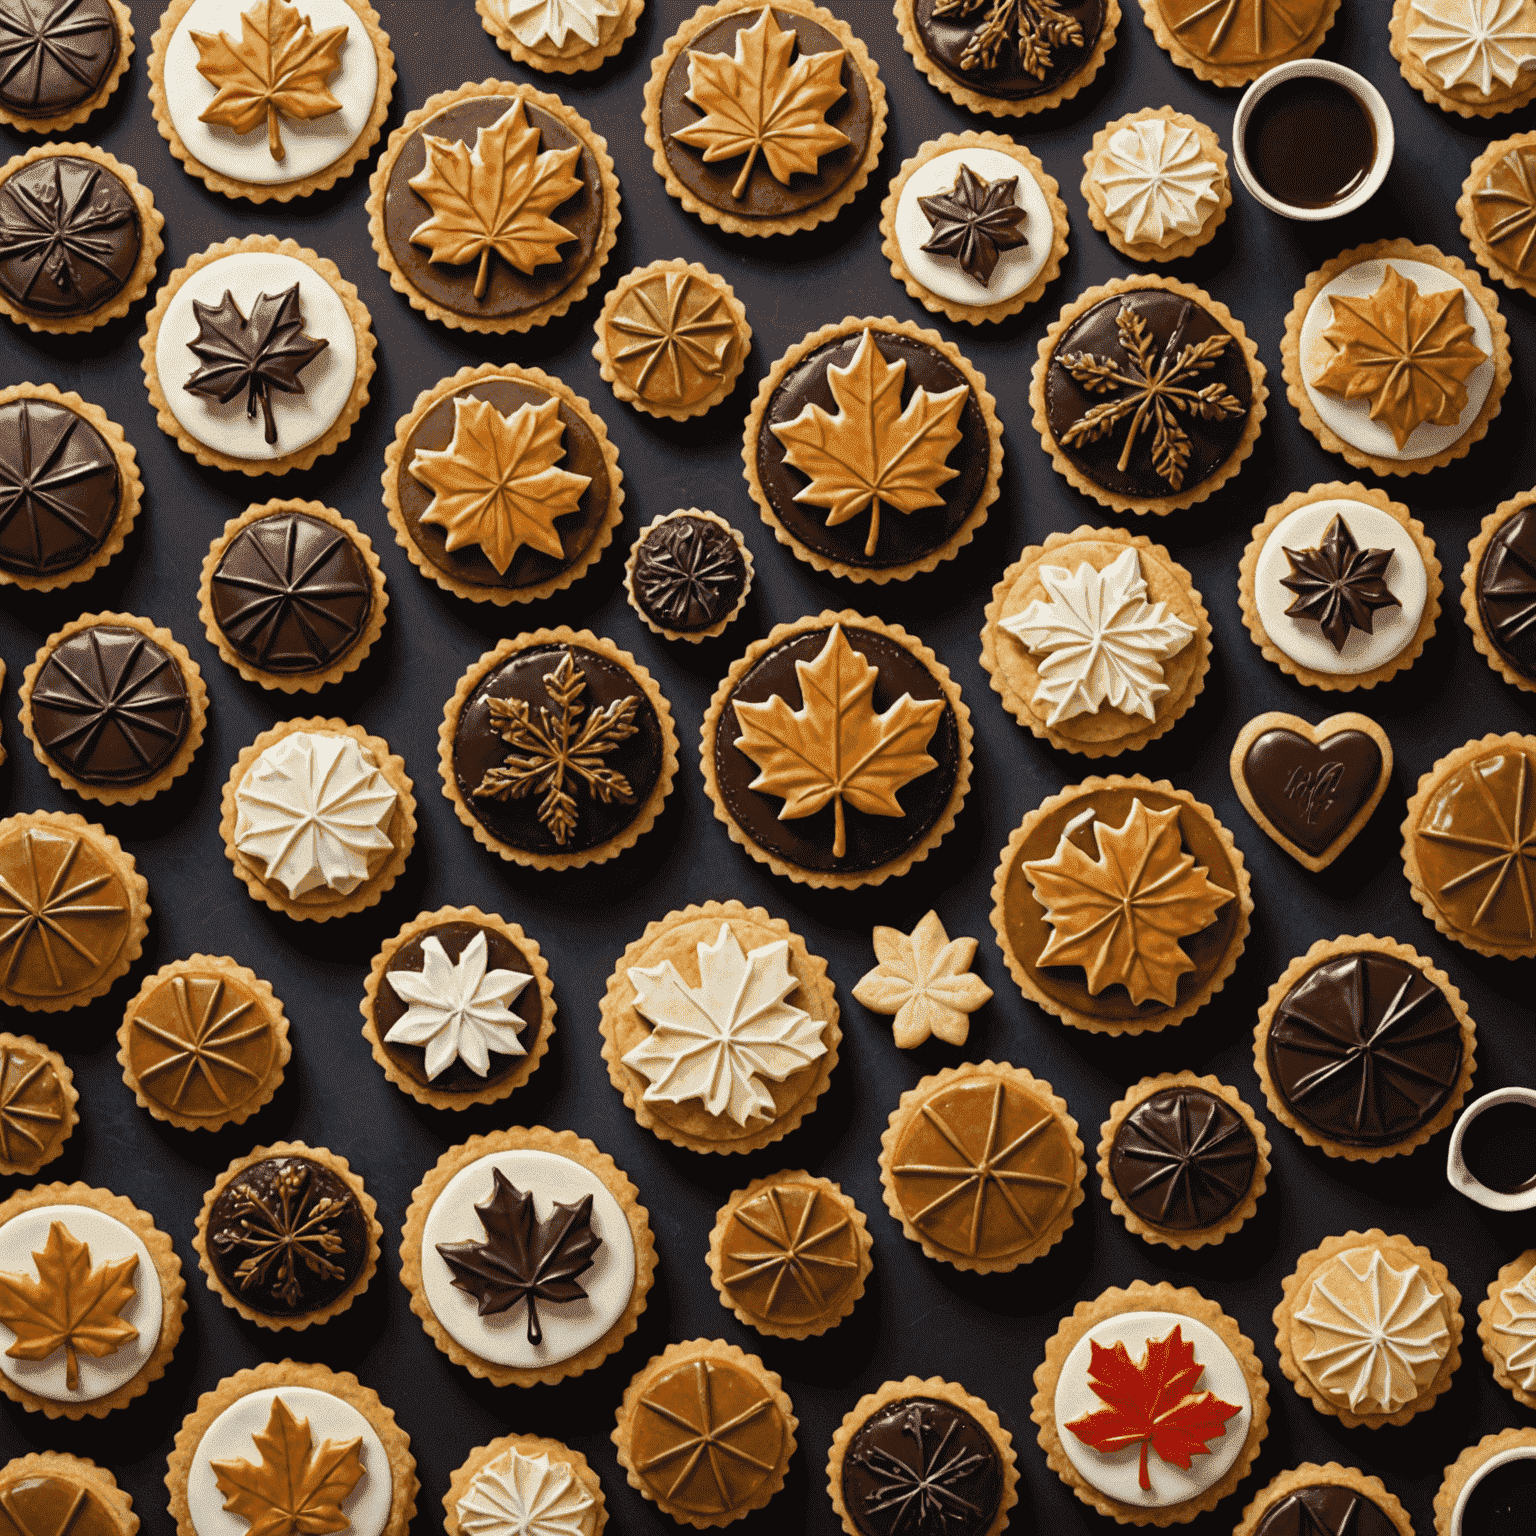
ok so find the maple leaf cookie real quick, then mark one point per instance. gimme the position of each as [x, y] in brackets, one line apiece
[925, 980]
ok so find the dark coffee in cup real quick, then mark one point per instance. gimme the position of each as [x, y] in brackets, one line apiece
[1310, 141]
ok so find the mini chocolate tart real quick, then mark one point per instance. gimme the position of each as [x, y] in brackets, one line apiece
[1183, 1160]
[1233, 47]
[204, 1043]
[74, 911]
[502, 484]
[830, 468]
[1104, 363]
[53, 1491]
[288, 1237]
[1506, 1325]
[114, 708]
[994, 1129]
[1098, 849]
[780, 796]
[79, 237]
[930, 1436]
[38, 1102]
[304, 137]
[561, 40]
[69, 488]
[525, 1474]
[550, 242]
[701, 1393]
[458, 1008]
[1472, 60]
[1364, 1048]
[1488, 1484]
[591, 809]
[688, 575]
[292, 594]
[1010, 62]
[1331, 1500]
[1498, 210]
[812, 66]
[64, 60]
[1499, 589]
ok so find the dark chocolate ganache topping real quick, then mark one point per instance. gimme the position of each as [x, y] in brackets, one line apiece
[54, 54]
[689, 574]
[1311, 791]
[1506, 591]
[59, 488]
[1326, 1509]
[1014, 50]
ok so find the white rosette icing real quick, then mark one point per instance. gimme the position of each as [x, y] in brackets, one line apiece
[1518, 1335]
[1102, 640]
[312, 810]
[552, 23]
[1157, 181]
[1380, 1333]
[518, 1495]
[717, 1042]
[1473, 42]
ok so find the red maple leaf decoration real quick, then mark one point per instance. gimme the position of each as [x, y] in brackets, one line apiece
[1153, 1404]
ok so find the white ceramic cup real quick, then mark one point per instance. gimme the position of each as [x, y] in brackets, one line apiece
[1461, 1177]
[1514, 1453]
[1368, 96]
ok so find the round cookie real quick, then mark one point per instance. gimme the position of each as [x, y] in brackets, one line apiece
[38, 1102]
[688, 575]
[515, 1474]
[43, 93]
[1327, 1500]
[1507, 1327]
[41, 1490]
[1498, 586]
[565, 39]
[1231, 47]
[1490, 1479]
[1498, 210]
[1470, 59]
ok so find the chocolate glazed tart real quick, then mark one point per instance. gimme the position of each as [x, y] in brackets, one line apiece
[1499, 590]
[44, 90]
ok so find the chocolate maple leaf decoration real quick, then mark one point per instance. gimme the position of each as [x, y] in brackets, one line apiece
[279, 65]
[296, 1489]
[1338, 584]
[975, 222]
[56, 234]
[70, 1306]
[523, 1258]
[258, 355]
[1034, 28]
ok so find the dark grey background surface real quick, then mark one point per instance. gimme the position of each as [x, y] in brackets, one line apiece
[985, 1331]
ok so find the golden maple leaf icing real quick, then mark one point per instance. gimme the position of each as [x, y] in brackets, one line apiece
[297, 1487]
[670, 335]
[498, 484]
[1407, 352]
[1242, 31]
[1504, 206]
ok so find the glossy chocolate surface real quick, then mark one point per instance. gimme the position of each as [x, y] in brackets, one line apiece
[1506, 591]
[59, 488]
[1334, 125]
[1183, 1159]
[57, 54]
[1502, 1501]
[689, 574]
[1311, 791]
[904, 536]
[51, 1505]
[1325, 1509]
[962, 41]
[807, 842]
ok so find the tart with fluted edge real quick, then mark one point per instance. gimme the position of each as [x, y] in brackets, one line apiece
[1331, 1500]
[1469, 59]
[1474, 1479]
[1497, 208]
[1230, 47]
[525, 1475]
[773, 1018]
[458, 1009]
[982, 1166]
[98, 1265]
[790, 1254]
[823, 690]
[41, 1491]
[317, 124]
[974, 227]
[258, 299]
[346, 791]
[114, 707]
[62, 89]
[929, 1435]
[732, 63]
[1506, 1325]
[1134, 1340]
[502, 484]
[861, 421]
[1364, 1048]
[236, 1446]
[1498, 586]
[1104, 372]
[513, 267]
[1396, 357]
[74, 911]
[493, 1219]
[1156, 184]
[1468, 845]
[288, 1237]
[562, 39]
[1183, 1161]
[508, 730]
[1096, 641]
[38, 1100]
[705, 1393]
[204, 1043]
[672, 339]
[1340, 586]
[1049, 54]
[688, 575]
[1070, 880]
[1368, 1328]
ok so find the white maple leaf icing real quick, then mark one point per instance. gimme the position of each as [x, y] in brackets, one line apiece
[1519, 1333]
[458, 1008]
[1380, 1333]
[313, 811]
[1474, 42]
[1157, 180]
[1103, 642]
[719, 1041]
[518, 1495]
[533, 22]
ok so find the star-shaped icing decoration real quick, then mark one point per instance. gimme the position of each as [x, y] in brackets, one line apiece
[975, 222]
[1338, 584]
[925, 979]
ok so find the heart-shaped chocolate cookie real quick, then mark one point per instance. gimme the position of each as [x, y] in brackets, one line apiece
[1311, 787]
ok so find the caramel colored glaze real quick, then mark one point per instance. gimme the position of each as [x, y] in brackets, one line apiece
[1325, 1509]
[706, 1435]
[789, 1254]
[953, 38]
[1476, 845]
[201, 1046]
[1504, 209]
[33, 1109]
[1255, 32]
[983, 1168]
[1028, 931]
[64, 912]
[671, 338]
[54, 1506]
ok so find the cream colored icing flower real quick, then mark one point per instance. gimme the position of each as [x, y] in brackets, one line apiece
[1519, 1333]
[1158, 181]
[518, 1495]
[925, 979]
[1474, 42]
[536, 22]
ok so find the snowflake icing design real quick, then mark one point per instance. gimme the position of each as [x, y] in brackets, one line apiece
[1473, 42]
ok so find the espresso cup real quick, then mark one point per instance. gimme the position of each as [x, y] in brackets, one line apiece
[1461, 1177]
[1514, 1453]
[1368, 97]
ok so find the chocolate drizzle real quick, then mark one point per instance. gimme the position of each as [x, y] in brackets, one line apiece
[1326, 1509]
[1013, 49]
[1506, 591]
[54, 54]
[59, 488]
[689, 574]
